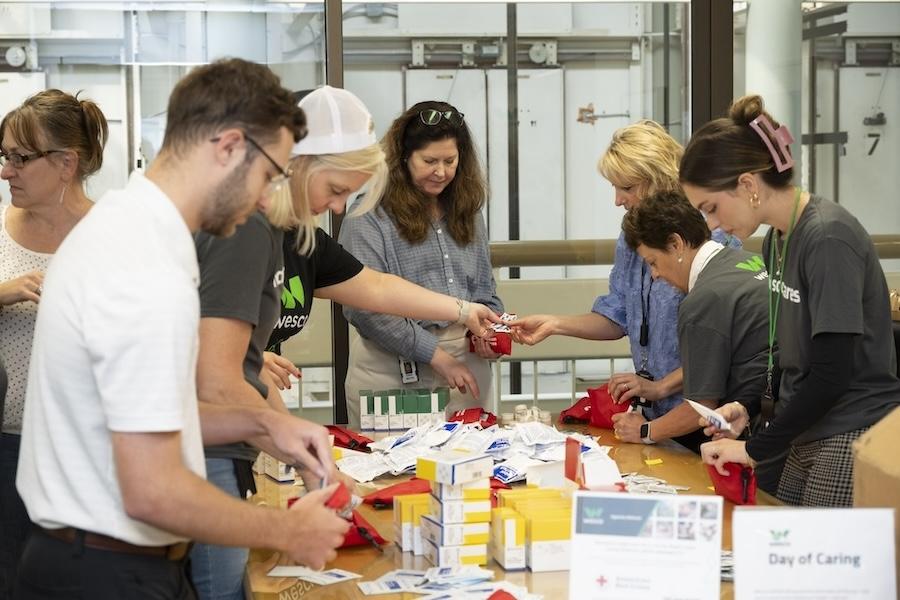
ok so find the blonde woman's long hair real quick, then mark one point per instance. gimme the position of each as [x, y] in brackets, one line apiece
[290, 208]
[644, 156]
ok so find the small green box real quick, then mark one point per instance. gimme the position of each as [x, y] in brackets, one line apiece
[424, 401]
[382, 400]
[443, 397]
[410, 403]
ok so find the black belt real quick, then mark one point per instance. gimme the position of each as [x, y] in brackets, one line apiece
[98, 541]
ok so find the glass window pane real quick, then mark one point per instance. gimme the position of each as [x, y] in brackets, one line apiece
[128, 59]
[584, 69]
[832, 72]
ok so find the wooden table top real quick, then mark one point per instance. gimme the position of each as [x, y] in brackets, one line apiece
[678, 466]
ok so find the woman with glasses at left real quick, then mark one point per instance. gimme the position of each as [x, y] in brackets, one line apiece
[49, 146]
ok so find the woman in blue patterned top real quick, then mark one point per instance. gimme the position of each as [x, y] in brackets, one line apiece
[642, 160]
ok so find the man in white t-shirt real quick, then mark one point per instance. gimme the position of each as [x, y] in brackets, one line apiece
[111, 468]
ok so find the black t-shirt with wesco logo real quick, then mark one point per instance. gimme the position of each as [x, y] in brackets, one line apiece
[329, 264]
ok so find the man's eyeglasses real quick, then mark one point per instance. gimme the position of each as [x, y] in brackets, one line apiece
[18, 160]
[284, 173]
[431, 116]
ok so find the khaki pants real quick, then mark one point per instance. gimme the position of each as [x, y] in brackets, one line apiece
[372, 368]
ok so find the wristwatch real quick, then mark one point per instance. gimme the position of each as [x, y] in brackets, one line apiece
[645, 433]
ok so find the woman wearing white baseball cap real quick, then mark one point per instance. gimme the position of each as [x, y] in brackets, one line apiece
[259, 280]
[338, 157]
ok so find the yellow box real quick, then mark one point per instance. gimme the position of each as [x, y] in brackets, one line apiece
[404, 507]
[461, 511]
[456, 556]
[547, 527]
[505, 496]
[454, 468]
[454, 534]
[480, 489]
[507, 528]
[530, 505]
[418, 512]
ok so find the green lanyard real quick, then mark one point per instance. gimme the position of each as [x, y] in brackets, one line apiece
[776, 303]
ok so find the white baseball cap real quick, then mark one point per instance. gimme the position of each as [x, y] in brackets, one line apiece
[337, 122]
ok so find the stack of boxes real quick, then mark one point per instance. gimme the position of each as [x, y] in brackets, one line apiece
[532, 527]
[456, 529]
[401, 409]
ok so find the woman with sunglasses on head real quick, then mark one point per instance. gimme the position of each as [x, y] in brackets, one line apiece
[828, 309]
[49, 146]
[641, 161]
[247, 279]
[428, 230]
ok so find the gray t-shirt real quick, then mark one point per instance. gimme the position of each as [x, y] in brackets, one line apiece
[833, 283]
[241, 278]
[723, 329]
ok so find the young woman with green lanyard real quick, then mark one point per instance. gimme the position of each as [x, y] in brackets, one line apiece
[829, 307]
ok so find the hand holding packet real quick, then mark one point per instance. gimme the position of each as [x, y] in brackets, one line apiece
[501, 343]
[715, 419]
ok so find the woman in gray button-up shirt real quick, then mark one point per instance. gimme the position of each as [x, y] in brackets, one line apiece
[429, 230]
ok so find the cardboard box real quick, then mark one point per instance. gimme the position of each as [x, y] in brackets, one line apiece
[505, 497]
[454, 468]
[366, 410]
[545, 526]
[419, 512]
[480, 489]
[548, 556]
[381, 412]
[461, 511]
[511, 558]
[456, 556]
[395, 410]
[410, 404]
[404, 518]
[454, 534]
[277, 470]
[507, 528]
[876, 472]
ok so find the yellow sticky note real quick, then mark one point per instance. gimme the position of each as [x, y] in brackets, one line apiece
[653, 462]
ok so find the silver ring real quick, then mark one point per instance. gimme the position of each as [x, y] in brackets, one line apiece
[40, 289]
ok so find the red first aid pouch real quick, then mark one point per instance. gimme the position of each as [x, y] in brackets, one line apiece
[358, 524]
[501, 343]
[384, 498]
[739, 486]
[603, 407]
[355, 536]
[597, 409]
[475, 415]
[345, 438]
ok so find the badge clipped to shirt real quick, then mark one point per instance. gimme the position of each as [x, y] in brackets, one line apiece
[409, 372]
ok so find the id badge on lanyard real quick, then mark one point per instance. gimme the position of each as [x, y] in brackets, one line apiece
[409, 371]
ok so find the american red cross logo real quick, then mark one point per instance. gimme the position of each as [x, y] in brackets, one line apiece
[602, 581]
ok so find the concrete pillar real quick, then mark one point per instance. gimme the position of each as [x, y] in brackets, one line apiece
[773, 62]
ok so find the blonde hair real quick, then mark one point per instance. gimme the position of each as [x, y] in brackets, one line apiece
[642, 155]
[290, 209]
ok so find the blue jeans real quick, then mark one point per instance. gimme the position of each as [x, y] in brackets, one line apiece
[218, 571]
[14, 522]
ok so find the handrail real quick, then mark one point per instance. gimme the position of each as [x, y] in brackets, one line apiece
[548, 253]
